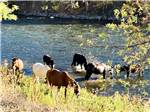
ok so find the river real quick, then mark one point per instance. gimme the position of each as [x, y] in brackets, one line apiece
[31, 38]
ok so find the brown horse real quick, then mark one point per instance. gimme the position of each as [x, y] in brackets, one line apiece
[57, 78]
[17, 64]
[135, 68]
[17, 67]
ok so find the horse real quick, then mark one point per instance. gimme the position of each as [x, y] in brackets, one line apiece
[98, 69]
[48, 61]
[40, 70]
[79, 59]
[17, 65]
[135, 68]
[57, 78]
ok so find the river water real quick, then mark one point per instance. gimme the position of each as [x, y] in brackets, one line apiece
[31, 38]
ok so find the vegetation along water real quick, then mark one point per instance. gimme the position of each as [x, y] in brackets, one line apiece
[124, 42]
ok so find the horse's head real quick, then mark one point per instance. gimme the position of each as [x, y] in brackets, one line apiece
[76, 89]
[116, 68]
[109, 70]
[90, 68]
[14, 63]
[136, 68]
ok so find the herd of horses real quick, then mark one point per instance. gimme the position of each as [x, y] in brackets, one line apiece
[80, 64]
[53, 77]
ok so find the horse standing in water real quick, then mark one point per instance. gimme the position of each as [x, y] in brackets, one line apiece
[78, 64]
[136, 68]
[48, 61]
[79, 59]
[57, 78]
[98, 69]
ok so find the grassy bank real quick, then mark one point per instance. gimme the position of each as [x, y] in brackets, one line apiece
[41, 94]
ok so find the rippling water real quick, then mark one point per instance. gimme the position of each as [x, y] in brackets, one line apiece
[30, 38]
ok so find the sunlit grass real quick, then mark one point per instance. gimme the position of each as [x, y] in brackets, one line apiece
[87, 101]
[43, 94]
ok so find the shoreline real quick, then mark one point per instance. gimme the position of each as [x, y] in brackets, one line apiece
[62, 19]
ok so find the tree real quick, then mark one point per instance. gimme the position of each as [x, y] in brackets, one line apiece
[134, 17]
[6, 12]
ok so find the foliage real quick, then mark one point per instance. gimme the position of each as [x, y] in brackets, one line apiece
[6, 12]
[78, 7]
[40, 93]
[134, 18]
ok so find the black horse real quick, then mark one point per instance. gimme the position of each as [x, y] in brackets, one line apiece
[48, 61]
[79, 59]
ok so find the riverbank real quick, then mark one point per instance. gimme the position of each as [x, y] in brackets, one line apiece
[69, 17]
[29, 96]
[77, 10]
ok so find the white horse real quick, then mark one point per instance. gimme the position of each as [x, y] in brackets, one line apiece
[40, 70]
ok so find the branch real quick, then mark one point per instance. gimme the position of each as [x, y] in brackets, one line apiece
[134, 45]
[122, 46]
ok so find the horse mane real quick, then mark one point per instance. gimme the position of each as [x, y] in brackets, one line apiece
[70, 78]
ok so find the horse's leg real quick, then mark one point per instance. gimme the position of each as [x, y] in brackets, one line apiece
[14, 76]
[14, 71]
[51, 90]
[45, 81]
[141, 72]
[88, 76]
[51, 63]
[18, 75]
[104, 74]
[18, 72]
[65, 92]
[81, 66]
[112, 76]
[73, 63]
[58, 89]
[128, 72]
[34, 78]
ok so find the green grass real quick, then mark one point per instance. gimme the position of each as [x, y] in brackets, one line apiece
[87, 101]
[42, 94]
